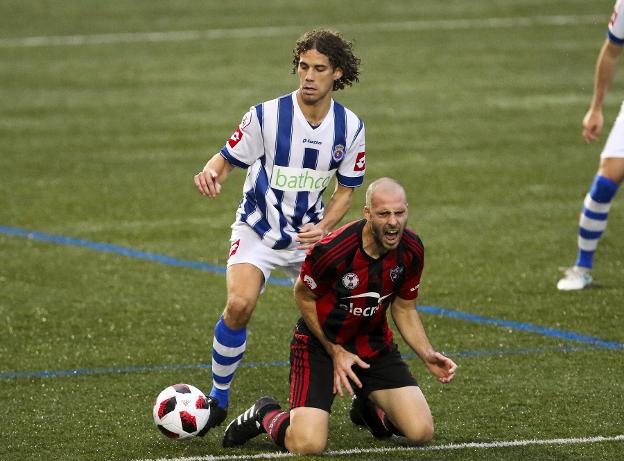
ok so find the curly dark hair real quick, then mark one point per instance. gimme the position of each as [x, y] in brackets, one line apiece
[333, 45]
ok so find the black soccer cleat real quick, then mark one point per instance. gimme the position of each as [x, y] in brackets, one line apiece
[249, 424]
[365, 413]
[216, 417]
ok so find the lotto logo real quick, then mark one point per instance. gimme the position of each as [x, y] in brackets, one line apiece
[235, 138]
[360, 162]
[234, 248]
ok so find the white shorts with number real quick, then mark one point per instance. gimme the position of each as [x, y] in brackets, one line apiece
[614, 147]
[246, 247]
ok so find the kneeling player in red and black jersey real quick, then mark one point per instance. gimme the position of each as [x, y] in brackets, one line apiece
[347, 283]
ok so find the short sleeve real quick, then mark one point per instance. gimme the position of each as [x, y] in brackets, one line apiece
[320, 282]
[411, 283]
[246, 145]
[351, 170]
[616, 24]
[409, 289]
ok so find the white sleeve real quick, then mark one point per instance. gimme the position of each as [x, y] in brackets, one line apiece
[351, 170]
[246, 145]
[616, 24]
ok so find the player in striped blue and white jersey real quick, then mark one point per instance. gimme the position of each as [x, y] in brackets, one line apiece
[289, 164]
[292, 147]
[597, 203]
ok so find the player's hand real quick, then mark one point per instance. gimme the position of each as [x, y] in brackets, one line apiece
[441, 367]
[207, 184]
[343, 369]
[592, 125]
[309, 234]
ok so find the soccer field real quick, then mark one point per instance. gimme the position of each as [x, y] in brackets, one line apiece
[111, 263]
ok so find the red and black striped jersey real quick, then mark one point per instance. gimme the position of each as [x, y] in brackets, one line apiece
[354, 290]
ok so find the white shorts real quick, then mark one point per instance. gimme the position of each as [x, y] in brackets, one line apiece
[247, 247]
[614, 147]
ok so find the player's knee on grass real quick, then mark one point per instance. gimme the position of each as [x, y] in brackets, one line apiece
[310, 446]
[418, 432]
[305, 440]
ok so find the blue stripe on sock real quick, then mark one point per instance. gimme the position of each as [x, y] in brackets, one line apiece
[596, 216]
[585, 259]
[223, 379]
[228, 337]
[221, 395]
[223, 360]
[603, 189]
[589, 235]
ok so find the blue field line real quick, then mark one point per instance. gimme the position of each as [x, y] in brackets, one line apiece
[274, 363]
[107, 247]
[124, 251]
[114, 370]
[567, 335]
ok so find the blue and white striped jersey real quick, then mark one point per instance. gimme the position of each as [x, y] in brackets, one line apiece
[289, 164]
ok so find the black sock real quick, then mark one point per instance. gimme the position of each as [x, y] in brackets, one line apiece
[275, 422]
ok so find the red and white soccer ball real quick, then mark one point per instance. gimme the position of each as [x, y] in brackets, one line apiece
[181, 411]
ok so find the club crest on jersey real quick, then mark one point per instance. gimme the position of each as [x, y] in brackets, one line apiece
[309, 281]
[338, 152]
[350, 281]
[395, 273]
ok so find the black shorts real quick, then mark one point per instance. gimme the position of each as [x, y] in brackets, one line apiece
[312, 373]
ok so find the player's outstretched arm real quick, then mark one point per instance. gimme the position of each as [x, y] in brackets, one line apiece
[412, 330]
[343, 360]
[209, 180]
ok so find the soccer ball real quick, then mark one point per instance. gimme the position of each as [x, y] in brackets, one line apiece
[181, 411]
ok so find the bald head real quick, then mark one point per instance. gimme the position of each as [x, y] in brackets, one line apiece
[386, 187]
[386, 216]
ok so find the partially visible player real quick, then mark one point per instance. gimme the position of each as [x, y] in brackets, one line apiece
[593, 220]
[292, 148]
[347, 283]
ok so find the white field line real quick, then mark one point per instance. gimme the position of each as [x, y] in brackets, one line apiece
[452, 446]
[258, 32]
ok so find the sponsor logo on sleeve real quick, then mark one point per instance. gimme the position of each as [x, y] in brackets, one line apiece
[235, 138]
[360, 162]
[246, 120]
[309, 281]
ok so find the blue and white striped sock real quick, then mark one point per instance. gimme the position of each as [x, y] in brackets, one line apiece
[593, 219]
[228, 348]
